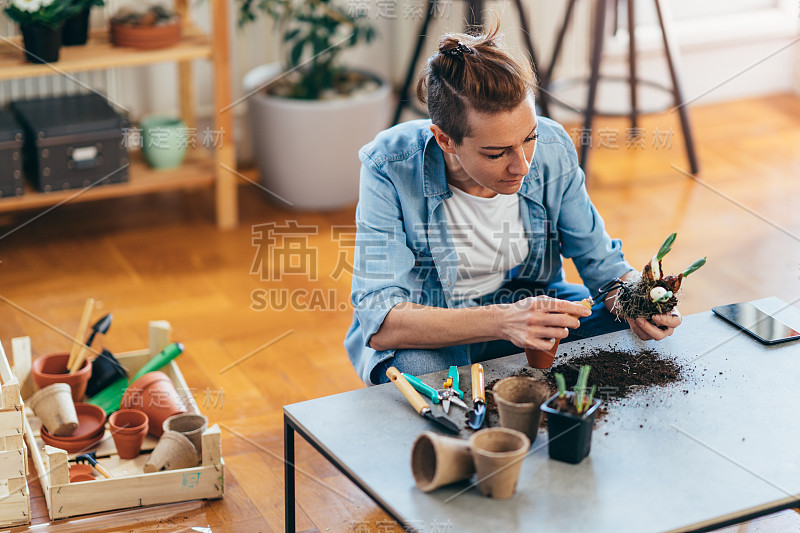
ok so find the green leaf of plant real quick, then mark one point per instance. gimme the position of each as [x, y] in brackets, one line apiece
[291, 34]
[694, 266]
[666, 247]
[562, 384]
[297, 53]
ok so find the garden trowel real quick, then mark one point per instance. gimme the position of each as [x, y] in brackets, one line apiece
[478, 413]
[417, 402]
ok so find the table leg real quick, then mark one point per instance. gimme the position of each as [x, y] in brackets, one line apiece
[288, 472]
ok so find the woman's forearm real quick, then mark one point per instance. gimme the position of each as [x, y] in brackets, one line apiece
[410, 325]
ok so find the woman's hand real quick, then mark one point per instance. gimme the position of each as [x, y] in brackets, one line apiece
[536, 322]
[658, 327]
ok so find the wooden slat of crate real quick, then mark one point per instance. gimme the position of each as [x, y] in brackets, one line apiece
[15, 507]
[65, 499]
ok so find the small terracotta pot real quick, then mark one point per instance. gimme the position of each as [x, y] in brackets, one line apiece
[542, 358]
[77, 478]
[52, 368]
[190, 425]
[518, 399]
[173, 451]
[498, 454]
[145, 37]
[129, 444]
[154, 394]
[437, 461]
[54, 407]
[129, 421]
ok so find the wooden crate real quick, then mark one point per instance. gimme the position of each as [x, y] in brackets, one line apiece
[129, 486]
[15, 503]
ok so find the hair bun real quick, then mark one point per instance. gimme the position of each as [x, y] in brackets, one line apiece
[456, 51]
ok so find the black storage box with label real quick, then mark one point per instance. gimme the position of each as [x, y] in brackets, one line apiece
[11, 140]
[72, 141]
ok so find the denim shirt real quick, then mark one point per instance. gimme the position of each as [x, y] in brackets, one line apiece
[404, 252]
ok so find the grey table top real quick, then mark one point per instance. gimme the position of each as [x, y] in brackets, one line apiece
[719, 445]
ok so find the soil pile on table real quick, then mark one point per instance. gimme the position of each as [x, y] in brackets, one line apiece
[616, 373]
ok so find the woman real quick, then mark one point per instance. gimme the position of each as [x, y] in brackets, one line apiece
[462, 221]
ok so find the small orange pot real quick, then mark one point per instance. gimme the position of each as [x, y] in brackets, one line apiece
[52, 368]
[542, 358]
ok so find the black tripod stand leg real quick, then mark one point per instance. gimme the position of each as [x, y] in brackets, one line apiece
[423, 33]
[671, 54]
[597, 53]
[526, 36]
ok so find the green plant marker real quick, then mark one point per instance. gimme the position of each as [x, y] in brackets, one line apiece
[694, 266]
[666, 247]
[109, 398]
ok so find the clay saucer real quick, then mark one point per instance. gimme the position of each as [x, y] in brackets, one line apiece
[81, 477]
[72, 446]
[91, 419]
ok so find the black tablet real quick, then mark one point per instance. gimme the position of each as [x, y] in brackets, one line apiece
[760, 324]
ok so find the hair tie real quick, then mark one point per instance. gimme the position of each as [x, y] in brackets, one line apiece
[459, 50]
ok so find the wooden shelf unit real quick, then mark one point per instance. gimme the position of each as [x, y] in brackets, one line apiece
[197, 170]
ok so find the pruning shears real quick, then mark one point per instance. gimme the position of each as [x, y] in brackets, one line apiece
[607, 287]
[448, 393]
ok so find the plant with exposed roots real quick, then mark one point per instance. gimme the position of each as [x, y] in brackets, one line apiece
[652, 293]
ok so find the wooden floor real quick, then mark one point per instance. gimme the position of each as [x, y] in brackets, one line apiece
[161, 257]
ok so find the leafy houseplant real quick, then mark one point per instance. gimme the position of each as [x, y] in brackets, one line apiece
[570, 419]
[314, 33]
[310, 115]
[76, 26]
[40, 22]
[653, 293]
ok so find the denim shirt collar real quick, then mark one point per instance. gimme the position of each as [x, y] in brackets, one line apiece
[436, 191]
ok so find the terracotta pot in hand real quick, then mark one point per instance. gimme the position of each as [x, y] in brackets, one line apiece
[154, 394]
[542, 358]
[52, 368]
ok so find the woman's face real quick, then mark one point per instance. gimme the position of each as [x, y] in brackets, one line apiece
[498, 153]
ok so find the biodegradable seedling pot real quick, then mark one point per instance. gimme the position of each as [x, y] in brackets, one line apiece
[52, 368]
[518, 399]
[190, 425]
[155, 395]
[542, 359]
[56, 410]
[497, 454]
[173, 451]
[437, 461]
[570, 435]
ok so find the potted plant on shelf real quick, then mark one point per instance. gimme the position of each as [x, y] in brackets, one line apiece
[76, 26]
[40, 22]
[310, 115]
[570, 419]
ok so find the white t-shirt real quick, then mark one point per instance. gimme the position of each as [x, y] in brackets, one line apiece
[489, 238]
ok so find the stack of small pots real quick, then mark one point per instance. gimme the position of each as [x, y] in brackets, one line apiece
[67, 423]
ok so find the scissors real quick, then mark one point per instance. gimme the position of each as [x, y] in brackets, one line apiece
[448, 393]
[607, 287]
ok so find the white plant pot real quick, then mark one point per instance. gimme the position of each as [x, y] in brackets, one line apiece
[307, 150]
